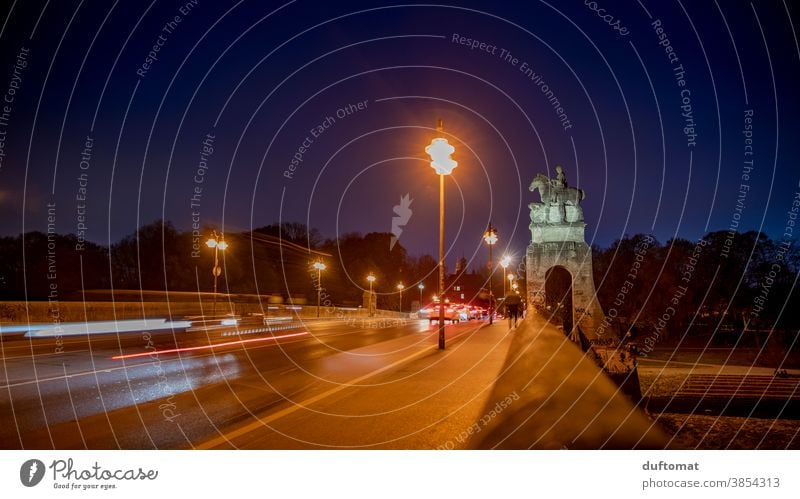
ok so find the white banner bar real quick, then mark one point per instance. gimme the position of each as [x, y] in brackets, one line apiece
[379, 474]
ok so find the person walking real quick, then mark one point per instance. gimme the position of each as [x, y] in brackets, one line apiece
[512, 303]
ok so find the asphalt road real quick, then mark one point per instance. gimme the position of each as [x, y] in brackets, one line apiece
[79, 393]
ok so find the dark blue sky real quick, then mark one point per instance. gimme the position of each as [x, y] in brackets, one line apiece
[260, 76]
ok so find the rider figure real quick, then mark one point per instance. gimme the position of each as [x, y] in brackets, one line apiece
[561, 179]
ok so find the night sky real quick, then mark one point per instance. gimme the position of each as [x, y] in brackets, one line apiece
[644, 104]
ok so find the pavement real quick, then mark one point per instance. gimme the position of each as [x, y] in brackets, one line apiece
[564, 400]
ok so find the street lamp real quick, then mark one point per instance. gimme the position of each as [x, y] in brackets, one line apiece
[505, 262]
[421, 287]
[440, 150]
[400, 288]
[371, 279]
[490, 236]
[320, 267]
[218, 243]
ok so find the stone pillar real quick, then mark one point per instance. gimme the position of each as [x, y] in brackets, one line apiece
[558, 240]
[576, 258]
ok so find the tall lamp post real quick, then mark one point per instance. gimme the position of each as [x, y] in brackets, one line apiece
[400, 288]
[505, 262]
[371, 279]
[218, 243]
[490, 236]
[440, 150]
[421, 287]
[320, 267]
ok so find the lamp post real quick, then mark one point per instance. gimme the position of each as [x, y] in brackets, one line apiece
[371, 279]
[218, 243]
[505, 262]
[400, 288]
[320, 267]
[490, 236]
[440, 150]
[421, 287]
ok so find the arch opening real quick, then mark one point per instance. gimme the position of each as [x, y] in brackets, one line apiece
[558, 297]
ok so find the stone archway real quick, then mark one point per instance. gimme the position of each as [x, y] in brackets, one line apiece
[558, 297]
[576, 260]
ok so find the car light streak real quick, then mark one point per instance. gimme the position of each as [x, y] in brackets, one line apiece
[206, 347]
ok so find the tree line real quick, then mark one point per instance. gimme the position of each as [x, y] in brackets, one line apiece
[720, 283]
[271, 260]
[734, 287]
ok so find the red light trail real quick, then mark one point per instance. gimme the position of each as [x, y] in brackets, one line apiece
[205, 347]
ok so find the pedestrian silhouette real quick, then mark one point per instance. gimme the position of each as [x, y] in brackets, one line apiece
[512, 303]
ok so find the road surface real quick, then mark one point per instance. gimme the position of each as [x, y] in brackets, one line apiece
[172, 390]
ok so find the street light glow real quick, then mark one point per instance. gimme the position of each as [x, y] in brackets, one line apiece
[401, 287]
[440, 150]
[505, 261]
[490, 236]
[371, 278]
[217, 243]
[319, 266]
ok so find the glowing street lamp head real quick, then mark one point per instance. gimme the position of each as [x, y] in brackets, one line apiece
[211, 243]
[371, 278]
[490, 236]
[421, 286]
[319, 266]
[440, 150]
[511, 277]
[222, 245]
[505, 261]
[401, 286]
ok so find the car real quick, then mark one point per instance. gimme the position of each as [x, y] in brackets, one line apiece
[431, 312]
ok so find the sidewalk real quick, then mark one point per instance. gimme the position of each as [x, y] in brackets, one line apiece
[563, 400]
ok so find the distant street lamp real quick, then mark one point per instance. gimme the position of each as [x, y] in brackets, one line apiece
[490, 236]
[505, 262]
[440, 150]
[218, 243]
[320, 267]
[400, 288]
[421, 287]
[371, 279]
